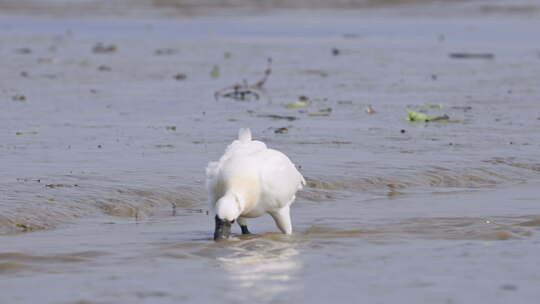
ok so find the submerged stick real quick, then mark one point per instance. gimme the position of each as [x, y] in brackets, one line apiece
[245, 91]
[471, 55]
[267, 73]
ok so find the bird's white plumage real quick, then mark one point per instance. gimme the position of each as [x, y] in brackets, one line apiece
[250, 180]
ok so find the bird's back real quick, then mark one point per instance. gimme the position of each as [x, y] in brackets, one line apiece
[275, 174]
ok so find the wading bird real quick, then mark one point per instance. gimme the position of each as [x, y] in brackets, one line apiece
[248, 181]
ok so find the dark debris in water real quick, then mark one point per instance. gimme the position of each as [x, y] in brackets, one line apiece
[101, 48]
[245, 91]
[282, 130]
[23, 51]
[25, 179]
[278, 117]
[52, 186]
[180, 76]
[104, 68]
[24, 227]
[27, 227]
[471, 55]
[165, 51]
[18, 97]
[463, 108]
[241, 93]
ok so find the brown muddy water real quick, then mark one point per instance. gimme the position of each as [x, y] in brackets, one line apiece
[107, 126]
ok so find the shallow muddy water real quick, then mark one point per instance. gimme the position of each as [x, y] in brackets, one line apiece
[104, 147]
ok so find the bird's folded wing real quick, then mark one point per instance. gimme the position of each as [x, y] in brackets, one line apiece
[279, 177]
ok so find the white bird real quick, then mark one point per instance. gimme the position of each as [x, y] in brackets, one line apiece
[248, 181]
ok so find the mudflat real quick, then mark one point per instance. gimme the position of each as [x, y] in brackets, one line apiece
[109, 121]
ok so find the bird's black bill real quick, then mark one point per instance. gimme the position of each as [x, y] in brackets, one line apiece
[223, 229]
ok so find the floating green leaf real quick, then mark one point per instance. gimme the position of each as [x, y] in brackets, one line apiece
[417, 116]
[296, 104]
[23, 133]
[316, 114]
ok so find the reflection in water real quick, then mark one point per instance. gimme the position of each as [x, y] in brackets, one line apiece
[262, 267]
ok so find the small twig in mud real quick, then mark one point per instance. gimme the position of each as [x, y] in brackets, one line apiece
[282, 130]
[100, 48]
[471, 55]
[259, 84]
[246, 91]
[274, 116]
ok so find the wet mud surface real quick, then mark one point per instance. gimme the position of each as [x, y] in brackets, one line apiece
[108, 125]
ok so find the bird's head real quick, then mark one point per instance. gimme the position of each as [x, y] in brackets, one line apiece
[227, 211]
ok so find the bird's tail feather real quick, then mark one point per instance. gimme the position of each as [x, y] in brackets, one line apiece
[244, 135]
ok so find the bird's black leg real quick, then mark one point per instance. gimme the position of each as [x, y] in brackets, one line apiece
[244, 229]
[243, 225]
